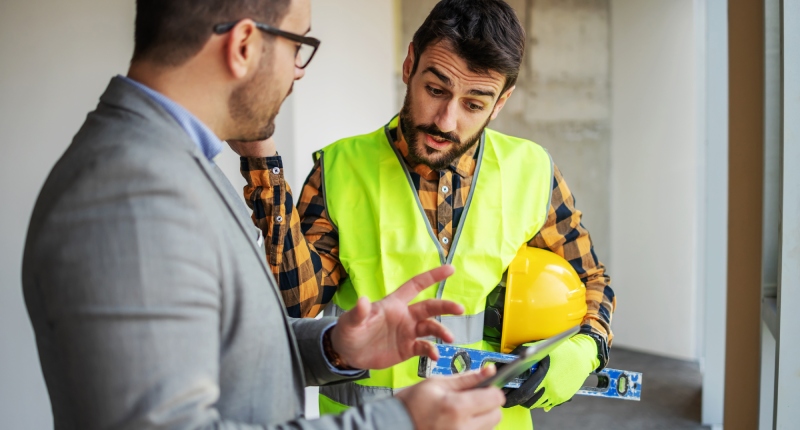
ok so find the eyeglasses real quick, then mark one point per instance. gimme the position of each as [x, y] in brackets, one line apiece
[306, 48]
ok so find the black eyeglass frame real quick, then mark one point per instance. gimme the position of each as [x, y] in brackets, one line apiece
[305, 40]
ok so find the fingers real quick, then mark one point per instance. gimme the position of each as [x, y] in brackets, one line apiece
[468, 380]
[475, 401]
[435, 307]
[450, 403]
[427, 349]
[261, 148]
[431, 327]
[529, 392]
[415, 285]
[480, 401]
[528, 400]
[519, 350]
[538, 400]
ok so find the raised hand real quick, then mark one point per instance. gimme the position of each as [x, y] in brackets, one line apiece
[381, 334]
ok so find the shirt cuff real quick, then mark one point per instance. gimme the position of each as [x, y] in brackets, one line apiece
[331, 366]
[261, 163]
[602, 346]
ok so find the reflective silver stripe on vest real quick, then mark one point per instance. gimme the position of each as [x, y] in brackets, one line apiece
[332, 310]
[352, 394]
[466, 329]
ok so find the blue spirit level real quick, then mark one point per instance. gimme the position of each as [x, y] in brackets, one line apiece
[611, 383]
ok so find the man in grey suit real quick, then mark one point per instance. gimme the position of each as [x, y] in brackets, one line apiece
[143, 274]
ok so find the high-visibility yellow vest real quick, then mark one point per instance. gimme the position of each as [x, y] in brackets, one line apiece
[385, 239]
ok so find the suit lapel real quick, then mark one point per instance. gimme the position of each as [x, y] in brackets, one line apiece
[239, 211]
[124, 96]
[235, 206]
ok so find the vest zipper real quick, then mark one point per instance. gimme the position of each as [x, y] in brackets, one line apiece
[464, 214]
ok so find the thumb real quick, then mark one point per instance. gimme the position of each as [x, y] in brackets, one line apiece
[468, 380]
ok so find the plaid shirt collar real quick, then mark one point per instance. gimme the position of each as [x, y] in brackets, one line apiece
[464, 165]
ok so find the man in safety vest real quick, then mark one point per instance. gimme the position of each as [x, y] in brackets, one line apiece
[434, 186]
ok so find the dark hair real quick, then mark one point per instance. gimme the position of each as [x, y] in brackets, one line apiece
[485, 33]
[170, 32]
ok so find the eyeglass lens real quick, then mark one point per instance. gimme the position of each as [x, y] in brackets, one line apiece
[304, 53]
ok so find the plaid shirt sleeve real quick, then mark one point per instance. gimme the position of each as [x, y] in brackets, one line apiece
[564, 235]
[302, 244]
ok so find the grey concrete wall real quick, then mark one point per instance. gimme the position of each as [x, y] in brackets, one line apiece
[562, 100]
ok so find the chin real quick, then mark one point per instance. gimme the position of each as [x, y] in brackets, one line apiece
[432, 162]
[267, 131]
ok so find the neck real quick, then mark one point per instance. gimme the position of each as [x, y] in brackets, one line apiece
[196, 90]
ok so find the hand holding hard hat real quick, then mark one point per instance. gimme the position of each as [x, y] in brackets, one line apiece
[542, 296]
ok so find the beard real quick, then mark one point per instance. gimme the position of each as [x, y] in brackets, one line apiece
[420, 153]
[253, 111]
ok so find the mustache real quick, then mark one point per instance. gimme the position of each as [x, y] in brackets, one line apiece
[436, 132]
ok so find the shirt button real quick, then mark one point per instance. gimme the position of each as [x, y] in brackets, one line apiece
[276, 170]
[445, 189]
[278, 218]
[445, 240]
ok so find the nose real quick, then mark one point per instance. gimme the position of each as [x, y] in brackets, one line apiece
[299, 73]
[446, 118]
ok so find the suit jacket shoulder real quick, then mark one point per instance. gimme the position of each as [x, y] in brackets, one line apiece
[148, 295]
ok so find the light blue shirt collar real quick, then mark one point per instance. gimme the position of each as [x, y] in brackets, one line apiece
[205, 139]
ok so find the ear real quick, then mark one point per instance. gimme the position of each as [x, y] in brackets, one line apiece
[243, 49]
[408, 64]
[502, 102]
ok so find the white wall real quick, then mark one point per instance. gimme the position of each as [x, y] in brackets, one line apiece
[654, 181]
[56, 57]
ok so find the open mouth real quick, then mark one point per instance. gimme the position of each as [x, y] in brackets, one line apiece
[436, 142]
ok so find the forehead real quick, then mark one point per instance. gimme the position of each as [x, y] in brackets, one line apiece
[443, 59]
[298, 16]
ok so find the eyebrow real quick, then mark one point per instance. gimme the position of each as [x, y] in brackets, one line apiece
[446, 80]
[442, 77]
[477, 92]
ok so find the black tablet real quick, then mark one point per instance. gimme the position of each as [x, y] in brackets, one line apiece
[530, 356]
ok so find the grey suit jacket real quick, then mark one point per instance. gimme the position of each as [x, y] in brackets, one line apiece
[149, 295]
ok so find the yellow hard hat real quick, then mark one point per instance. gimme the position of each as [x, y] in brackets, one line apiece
[542, 296]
